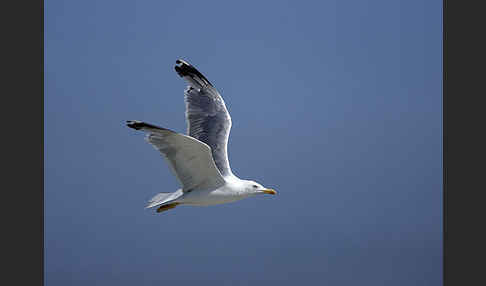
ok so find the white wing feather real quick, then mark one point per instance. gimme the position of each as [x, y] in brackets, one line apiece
[189, 159]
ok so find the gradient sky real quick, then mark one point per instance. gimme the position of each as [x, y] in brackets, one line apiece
[335, 104]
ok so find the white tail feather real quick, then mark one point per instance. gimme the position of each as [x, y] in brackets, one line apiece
[164, 198]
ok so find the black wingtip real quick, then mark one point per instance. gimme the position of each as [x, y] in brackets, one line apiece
[179, 71]
[181, 61]
[137, 125]
[183, 69]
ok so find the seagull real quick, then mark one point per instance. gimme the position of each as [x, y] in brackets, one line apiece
[199, 159]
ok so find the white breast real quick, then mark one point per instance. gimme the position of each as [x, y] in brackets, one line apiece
[225, 194]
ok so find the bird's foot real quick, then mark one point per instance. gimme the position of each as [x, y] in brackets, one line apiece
[166, 207]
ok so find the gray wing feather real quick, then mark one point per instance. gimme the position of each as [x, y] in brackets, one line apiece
[206, 114]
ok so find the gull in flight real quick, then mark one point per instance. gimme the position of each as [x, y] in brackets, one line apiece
[199, 160]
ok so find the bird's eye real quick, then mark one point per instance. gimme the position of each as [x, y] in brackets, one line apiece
[255, 186]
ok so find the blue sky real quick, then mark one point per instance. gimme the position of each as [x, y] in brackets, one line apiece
[335, 104]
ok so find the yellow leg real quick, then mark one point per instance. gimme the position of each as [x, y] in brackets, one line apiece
[166, 207]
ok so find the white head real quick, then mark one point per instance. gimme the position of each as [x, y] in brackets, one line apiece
[254, 188]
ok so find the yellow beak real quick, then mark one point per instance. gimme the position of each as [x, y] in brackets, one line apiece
[270, 192]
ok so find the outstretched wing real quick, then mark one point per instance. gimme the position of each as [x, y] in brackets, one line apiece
[189, 159]
[206, 114]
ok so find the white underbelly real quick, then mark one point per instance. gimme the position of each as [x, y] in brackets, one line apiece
[208, 198]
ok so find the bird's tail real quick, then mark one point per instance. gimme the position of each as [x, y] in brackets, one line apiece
[164, 198]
